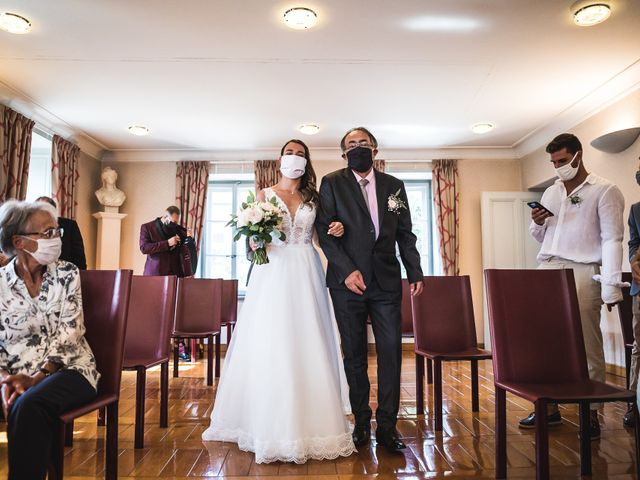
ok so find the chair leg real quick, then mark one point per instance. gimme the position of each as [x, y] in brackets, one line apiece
[437, 390]
[501, 433]
[585, 439]
[475, 401]
[218, 354]
[102, 415]
[627, 363]
[68, 434]
[164, 395]
[542, 441]
[176, 358]
[429, 371]
[141, 382]
[194, 350]
[210, 361]
[111, 447]
[419, 385]
[229, 333]
[637, 434]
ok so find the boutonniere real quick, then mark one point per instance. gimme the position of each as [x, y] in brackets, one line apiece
[395, 203]
[575, 200]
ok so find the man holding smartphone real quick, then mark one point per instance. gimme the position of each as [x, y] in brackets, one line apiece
[585, 235]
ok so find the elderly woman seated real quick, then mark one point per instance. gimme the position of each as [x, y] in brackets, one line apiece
[46, 365]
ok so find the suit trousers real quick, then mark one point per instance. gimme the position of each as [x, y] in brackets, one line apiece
[590, 304]
[352, 312]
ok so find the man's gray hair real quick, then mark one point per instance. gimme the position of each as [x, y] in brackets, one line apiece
[15, 219]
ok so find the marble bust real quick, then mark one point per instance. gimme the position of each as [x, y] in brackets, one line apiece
[109, 195]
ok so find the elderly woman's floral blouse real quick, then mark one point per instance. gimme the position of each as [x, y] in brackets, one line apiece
[49, 328]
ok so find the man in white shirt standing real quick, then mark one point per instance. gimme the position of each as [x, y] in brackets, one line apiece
[584, 233]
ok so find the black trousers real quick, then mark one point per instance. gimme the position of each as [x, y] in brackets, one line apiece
[352, 312]
[33, 421]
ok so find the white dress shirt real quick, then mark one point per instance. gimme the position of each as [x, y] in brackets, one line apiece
[587, 227]
[372, 197]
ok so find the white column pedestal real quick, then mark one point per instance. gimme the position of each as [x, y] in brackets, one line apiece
[108, 247]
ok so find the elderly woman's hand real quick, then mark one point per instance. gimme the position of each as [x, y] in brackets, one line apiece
[18, 384]
[4, 260]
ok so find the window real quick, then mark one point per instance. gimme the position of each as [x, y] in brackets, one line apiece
[221, 257]
[39, 181]
[418, 188]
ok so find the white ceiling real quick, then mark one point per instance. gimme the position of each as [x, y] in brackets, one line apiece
[215, 75]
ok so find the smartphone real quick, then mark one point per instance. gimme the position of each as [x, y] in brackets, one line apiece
[535, 205]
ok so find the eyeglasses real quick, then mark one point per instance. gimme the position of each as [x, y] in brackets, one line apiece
[48, 234]
[363, 143]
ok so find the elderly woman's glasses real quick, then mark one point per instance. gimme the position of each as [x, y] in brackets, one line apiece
[49, 233]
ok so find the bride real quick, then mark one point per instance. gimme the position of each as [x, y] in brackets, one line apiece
[283, 394]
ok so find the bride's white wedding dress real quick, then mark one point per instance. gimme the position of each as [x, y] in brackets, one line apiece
[283, 393]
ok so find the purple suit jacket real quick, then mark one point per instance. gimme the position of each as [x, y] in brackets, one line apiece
[160, 259]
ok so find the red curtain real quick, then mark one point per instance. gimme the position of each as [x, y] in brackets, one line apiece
[379, 165]
[447, 200]
[15, 153]
[267, 173]
[64, 175]
[192, 181]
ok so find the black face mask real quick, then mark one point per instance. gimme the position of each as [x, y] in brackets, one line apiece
[360, 159]
[638, 177]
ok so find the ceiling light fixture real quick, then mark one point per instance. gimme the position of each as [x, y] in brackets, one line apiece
[139, 130]
[587, 14]
[14, 23]
[300, 18]
[481, 128]
[309, 129]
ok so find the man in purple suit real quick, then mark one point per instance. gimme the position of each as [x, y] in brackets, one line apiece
[160, 241]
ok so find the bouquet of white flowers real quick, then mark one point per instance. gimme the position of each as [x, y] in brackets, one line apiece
[258, 220]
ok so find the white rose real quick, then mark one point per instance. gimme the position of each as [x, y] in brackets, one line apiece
[268, 207]
[254, 215]
[393, 204]
[242, 218]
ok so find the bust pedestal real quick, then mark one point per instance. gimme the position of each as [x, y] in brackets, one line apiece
[108, 248]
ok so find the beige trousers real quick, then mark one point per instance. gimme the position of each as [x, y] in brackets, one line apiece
[590, 304]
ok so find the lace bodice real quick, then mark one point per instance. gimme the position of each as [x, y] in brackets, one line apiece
[297, 227]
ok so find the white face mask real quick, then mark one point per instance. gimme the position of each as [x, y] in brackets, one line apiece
[292, 166]
[48, 251]
[567, 172]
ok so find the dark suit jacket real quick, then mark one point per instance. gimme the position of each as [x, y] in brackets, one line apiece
[341, 200]
[72, 244]
[161, 259]
[634, 238]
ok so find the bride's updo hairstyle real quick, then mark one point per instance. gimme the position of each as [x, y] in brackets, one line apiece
[307, 187]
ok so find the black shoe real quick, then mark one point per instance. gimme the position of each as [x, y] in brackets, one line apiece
[629, 419]
[361, 435]
[185, 357]
[389, 440]
[530, 422]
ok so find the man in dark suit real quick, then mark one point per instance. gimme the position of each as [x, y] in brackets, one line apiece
[161, 240]
[72, 244]
[364, 277]
[629, 419]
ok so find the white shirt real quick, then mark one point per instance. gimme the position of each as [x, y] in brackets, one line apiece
[587, 228]
[372, 197]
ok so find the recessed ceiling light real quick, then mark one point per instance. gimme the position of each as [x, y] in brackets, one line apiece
[14, 23]
[481, 128]
[589, 14]
[139, 130]
[300, 18]
[309, 129]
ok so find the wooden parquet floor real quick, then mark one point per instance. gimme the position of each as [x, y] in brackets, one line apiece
[464, 450]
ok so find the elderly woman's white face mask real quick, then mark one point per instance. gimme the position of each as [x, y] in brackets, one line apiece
[48, 250]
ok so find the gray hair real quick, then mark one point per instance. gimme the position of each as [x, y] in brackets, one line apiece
[15, 219]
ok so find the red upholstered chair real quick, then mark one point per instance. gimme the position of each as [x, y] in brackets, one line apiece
[445, 330]
[539, 355]
[198, 315]
[148, 341]
[229, 306]
[625, 312]
[105, 301]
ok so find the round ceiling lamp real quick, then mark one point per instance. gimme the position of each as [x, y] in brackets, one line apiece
[300, 18]
[139, 130]
[309, 129]
[587, 14]
[481, 128]
[14, 23]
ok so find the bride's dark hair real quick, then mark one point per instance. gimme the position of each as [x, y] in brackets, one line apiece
[307, 187]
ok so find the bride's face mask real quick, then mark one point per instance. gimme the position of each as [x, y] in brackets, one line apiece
[292, 166]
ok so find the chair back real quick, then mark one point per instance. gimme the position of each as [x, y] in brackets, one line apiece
[151, 311]
[405, 310]
[105, 303]
[229, 301]
[534, 319]
[443, 320]
[198, 307]
[625, 311]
